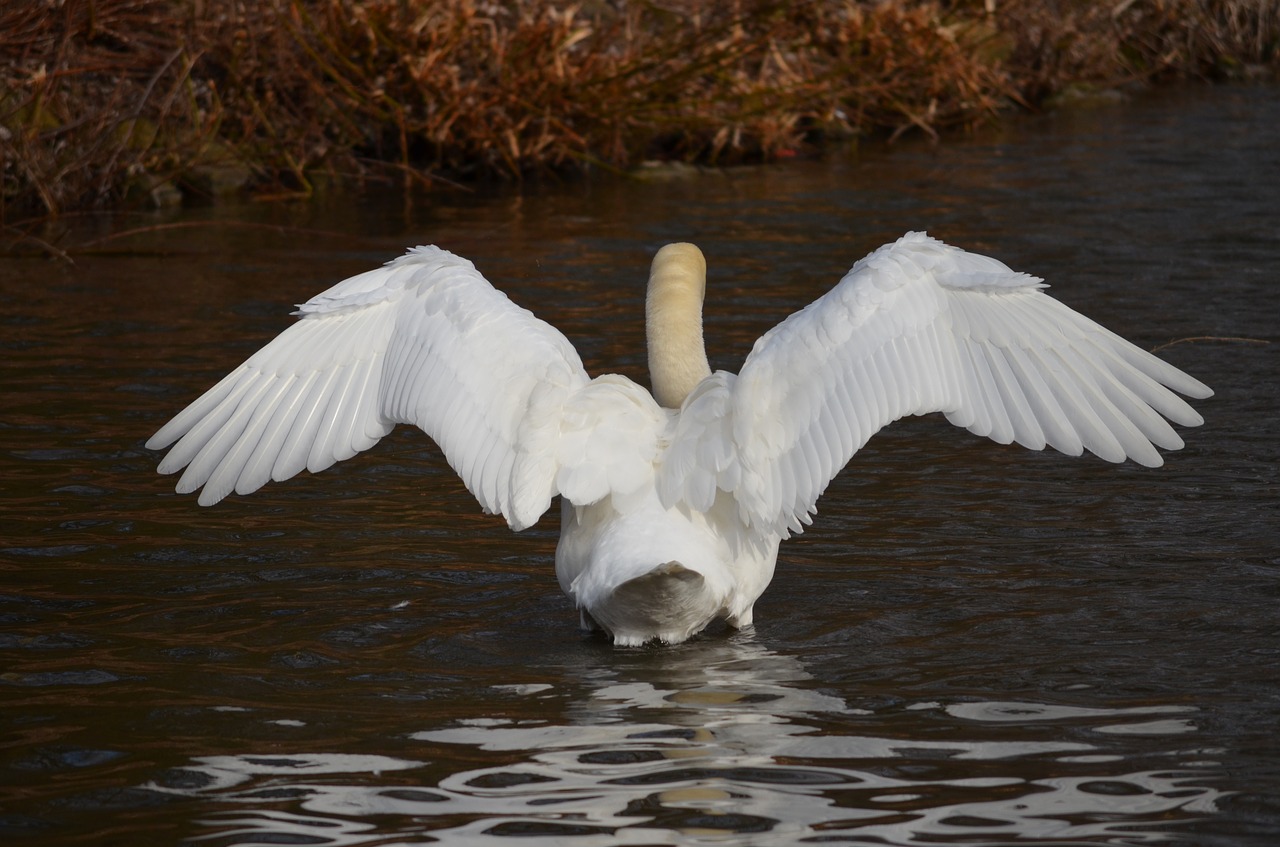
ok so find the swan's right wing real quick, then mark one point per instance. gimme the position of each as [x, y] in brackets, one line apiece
[918, 327]
[424, 340]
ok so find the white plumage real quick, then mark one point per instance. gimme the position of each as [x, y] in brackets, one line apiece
[672, 515]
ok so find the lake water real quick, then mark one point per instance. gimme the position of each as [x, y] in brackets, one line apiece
[974, 644]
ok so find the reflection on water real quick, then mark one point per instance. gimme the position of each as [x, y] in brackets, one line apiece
[732, 740]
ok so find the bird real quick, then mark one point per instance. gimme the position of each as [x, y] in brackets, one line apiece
[674, 500]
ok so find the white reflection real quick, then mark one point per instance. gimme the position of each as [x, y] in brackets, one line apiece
[722, 741]
[1005, 712]
[224, 772]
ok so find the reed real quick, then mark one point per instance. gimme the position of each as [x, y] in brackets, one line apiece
[110, 102]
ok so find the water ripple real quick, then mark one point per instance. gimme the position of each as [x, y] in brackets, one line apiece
[740, 746]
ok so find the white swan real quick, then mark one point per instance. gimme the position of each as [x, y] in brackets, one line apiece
[673, 507]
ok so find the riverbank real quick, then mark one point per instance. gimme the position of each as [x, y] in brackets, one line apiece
[154, 102]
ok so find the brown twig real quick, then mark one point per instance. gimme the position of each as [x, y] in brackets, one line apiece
[1198, 338]
[90, 245]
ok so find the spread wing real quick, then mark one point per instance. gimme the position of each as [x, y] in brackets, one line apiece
[424, 340]
[919, 327]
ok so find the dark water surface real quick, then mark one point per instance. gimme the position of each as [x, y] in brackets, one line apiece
[974, 644]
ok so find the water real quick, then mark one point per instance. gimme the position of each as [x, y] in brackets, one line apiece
[973, 644]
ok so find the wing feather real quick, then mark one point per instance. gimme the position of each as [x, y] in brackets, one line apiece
[1042, 396]
[997, 425]
[189, 448]
[215, 450]
[325, 449]
[293, 456]
[190, 416]
[1026, 428]
[257, 472]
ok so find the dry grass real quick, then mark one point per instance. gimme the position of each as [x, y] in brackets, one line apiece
[104, 102]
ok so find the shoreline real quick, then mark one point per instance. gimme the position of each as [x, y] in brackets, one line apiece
[125, 104]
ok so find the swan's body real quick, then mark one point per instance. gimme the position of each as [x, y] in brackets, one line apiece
[673, 508]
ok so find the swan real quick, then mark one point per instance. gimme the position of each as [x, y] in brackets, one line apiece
[673, 503]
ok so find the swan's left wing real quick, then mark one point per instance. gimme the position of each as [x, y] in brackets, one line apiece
[423, 340]
[918, 327]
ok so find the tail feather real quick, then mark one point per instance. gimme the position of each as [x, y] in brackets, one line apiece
[670, 602]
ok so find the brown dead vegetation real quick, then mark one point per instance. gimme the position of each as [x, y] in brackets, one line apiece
[107, 102]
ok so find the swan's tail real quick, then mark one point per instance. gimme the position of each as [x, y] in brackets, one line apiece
[670, 602]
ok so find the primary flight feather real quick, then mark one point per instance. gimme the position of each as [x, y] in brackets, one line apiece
[673, 503]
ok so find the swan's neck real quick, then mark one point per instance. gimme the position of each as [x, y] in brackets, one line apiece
[673, 323]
